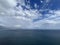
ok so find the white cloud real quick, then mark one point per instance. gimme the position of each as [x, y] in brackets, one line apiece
[18, 18]
[17, 26]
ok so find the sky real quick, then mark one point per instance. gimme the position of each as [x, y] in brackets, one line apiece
[31, 14]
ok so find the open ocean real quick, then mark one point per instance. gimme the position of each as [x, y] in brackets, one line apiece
[30, 37]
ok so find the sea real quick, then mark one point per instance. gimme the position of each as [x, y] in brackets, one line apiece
[29, 37]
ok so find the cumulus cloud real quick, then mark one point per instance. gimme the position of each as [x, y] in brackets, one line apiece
[15, 17]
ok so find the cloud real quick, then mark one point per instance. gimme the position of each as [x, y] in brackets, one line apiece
[15, 17]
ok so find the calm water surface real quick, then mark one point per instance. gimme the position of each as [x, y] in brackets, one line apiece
[30, 37]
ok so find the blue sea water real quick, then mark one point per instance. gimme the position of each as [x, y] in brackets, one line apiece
[30, 37]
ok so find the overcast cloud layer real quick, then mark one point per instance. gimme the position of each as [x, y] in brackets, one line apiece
[15, 17]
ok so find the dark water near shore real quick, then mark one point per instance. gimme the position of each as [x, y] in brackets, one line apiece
[30, 37]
